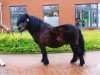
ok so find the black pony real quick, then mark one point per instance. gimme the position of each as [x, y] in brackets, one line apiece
[46, 35]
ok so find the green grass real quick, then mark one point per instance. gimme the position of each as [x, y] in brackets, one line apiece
[92, 39]
[25, 43]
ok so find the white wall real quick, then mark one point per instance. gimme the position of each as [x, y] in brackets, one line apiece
[99, 15]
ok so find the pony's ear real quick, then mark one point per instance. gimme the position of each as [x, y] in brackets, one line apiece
[27, 15]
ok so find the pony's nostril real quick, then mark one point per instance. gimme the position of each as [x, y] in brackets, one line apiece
[19, 28]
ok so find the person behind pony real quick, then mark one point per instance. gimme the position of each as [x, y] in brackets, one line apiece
[4, 27]
[8, 30]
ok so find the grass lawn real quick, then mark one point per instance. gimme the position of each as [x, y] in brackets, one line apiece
[25, 43]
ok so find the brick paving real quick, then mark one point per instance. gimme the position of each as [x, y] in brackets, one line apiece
[29, 64]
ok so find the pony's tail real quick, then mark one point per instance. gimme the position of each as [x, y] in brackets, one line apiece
[81, 42]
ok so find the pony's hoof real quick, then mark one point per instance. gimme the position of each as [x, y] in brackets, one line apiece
[46, 63]
[73, 61]
[41, 60]
[81, 65]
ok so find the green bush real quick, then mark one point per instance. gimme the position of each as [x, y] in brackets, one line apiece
[92, 39]
[25, 44]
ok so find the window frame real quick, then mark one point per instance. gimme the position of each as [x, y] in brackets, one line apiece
[18, 12]
[51, 5]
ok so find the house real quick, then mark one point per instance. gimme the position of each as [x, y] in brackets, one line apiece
[83, 13]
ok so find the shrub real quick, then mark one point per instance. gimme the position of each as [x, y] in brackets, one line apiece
[26, 44]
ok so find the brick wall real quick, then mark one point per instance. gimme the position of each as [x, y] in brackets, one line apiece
[35, 7]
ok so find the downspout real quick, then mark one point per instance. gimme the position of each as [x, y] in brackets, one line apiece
[1, 13]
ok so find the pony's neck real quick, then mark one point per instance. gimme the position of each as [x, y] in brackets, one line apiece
[36, 25]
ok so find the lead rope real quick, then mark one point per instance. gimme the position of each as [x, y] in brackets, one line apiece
[8, 34]
[21, 35]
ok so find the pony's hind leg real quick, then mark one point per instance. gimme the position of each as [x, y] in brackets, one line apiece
[77, 53]
[81, 54]
[81, 49]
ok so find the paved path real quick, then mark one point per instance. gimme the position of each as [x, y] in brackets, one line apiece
[29, 64]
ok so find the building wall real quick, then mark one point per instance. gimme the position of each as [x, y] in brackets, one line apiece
[35, 7]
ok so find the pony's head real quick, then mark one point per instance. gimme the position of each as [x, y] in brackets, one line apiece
[22, 22]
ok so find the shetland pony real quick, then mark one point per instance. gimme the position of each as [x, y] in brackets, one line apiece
[46, 35]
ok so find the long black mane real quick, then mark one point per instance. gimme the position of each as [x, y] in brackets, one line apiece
[37, 23]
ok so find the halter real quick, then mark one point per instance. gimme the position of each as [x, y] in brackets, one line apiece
[27, 20]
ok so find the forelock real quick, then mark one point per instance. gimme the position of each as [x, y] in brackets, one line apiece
[21, 19]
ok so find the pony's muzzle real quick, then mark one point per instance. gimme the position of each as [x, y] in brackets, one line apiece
[20, 29]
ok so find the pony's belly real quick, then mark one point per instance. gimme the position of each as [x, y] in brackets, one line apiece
[55, 44]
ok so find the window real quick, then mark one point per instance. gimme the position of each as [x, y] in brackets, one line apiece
[86, 15]
[15, 12]
[51, 14]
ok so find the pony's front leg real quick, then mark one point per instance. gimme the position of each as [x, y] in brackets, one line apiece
[44, 55]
